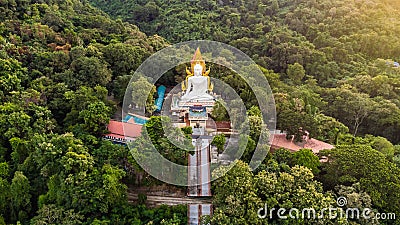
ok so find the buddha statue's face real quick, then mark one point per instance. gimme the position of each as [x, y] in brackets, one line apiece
[198, 70]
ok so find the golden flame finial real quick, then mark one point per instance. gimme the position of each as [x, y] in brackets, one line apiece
[197, 59]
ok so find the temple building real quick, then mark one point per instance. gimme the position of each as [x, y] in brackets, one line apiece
[127, 130]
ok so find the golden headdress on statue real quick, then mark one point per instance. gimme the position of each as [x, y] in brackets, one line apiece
[197, 59]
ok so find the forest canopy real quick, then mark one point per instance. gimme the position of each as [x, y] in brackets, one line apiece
[65, 66]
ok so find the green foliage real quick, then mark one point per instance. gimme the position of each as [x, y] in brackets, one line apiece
[357, 198]
[51, 214]
[89, 71]
[12, 76]
[143, 94]
[396, 160]
[96, 117]
[330, 129]
[256, 123]
[249, 146]
[60, 59]
[123, 58]
[324, 43]
[23, 120]
[161, 132]
[283, 156]
[306, 158]
[239, 195]
[361, 113]
[296, 73]
[219, 112]
[219, 142]
[4, 187]
[298, 113]
[381, 144]
[19, 197]
[235, 196]
[120, 85]
[377, 176]
[89, 110]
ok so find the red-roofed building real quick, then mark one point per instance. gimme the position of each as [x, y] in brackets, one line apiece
[315, 145]
[121, 132]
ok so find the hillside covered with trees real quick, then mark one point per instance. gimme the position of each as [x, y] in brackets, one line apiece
[65, 66]
[341, 49]
[57, 66]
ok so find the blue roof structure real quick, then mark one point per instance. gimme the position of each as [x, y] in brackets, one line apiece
[136, 119]
[159, 101]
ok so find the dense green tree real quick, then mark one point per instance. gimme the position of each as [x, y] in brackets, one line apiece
[361, 113]
[235, 196]
[275, 190]
[123, 58]
[142, 93]
[219, 112]
[379, 143]
[329, 129]
[4, 187]
[22, 120]
[352, 107]
[297, 115]
[219, 142]
[240, 195]
[51, 214]
[119, 86]
[89, 71]
[306, 158]
[20, 197]
[357, 198]
[248, 145]
[283, 156]
[255, 122]
[74, 180]
[296, 73]
[81, 99]
[12, 76]
[171, 142]
[296, 124]
[96, 117]
[377, 176]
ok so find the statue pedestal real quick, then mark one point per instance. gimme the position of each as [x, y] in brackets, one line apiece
[196, 103]
[193, 112]
[178, 105]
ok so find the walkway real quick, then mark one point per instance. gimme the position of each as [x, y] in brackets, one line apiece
[199, 176]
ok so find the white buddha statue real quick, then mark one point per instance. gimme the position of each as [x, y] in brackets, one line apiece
[197, 87]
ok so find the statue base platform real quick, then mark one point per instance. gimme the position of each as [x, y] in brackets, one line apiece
[178, 105]
[197, 103]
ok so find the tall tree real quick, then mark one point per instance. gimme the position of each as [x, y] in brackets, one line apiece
[20, 198]
[296, 73]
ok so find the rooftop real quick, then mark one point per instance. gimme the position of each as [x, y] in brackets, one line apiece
[280, 141]
[123, 130]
